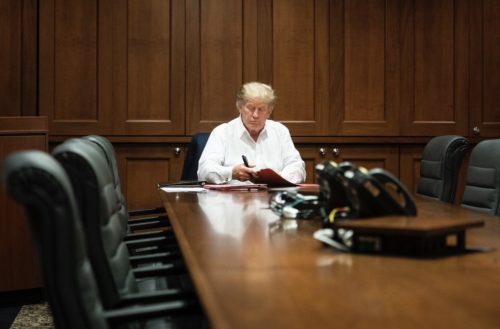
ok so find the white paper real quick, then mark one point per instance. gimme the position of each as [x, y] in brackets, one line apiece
[183, 189]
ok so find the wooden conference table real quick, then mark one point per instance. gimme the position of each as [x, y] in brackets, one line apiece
[253, 270]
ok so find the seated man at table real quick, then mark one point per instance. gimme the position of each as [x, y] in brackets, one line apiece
[265, 143]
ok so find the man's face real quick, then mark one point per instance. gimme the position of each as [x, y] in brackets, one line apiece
[254, 115]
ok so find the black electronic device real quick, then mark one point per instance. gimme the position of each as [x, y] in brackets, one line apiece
[330, 178]
[290, 204]
[377, 193]
[348, 191]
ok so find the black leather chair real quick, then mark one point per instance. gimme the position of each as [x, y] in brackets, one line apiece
[482, 187]
[131, 224]
[195, 148]
[41, 185]
[118, 282]
[440, 167]
[139, 242]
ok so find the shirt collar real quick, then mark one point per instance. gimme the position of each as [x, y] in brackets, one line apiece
[242, 131]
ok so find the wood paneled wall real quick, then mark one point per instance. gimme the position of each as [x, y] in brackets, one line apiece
[18, 57]
[384, 68]
[484, 77]
[146, 72]
[113, 67]
[17, 251]
[172, 67]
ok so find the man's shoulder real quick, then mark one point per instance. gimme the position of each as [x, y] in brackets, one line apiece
[226, 127]
[275, 125]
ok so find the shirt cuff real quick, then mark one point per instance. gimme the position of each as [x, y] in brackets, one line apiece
[227, 173]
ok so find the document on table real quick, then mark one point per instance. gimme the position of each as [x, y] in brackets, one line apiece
[183, 189]
[235, 187]
[182, 186]
[271, 178]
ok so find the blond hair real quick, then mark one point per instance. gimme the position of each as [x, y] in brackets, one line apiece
[256, 91]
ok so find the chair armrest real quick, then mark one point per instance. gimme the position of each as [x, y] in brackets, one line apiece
[146, 225]
[153, 297]
[145, 312]
[172, 268]
[149, 234]
[162, 257]
[152, 245]
[148, 219]
[148, 211]
[154, 241]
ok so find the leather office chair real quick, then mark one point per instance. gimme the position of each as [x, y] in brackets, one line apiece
[41, 185]
[440, 167]
[195, 148]
[482, 187]
[100, 214]
[141, 243]
[131, 224]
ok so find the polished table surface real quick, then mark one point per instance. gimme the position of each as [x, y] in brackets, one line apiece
[254, 270]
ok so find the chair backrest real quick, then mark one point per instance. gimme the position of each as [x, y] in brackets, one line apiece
[195, 148]
[482, 187]
[440, 167]
[109, 152]
[40, 184]
[100, 214]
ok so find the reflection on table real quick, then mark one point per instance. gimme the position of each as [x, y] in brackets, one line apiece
[254, 270]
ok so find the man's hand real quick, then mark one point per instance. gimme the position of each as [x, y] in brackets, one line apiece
[243, 173]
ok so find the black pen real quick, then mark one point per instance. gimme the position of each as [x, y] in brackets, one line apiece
[245, 161]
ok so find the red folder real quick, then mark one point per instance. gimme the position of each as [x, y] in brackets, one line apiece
[271, 178]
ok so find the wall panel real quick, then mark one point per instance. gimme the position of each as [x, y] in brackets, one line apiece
[18, 62]
[409, 173]
[142, 166]
[485, 68]
[148, 72]
[435, 67]
[368, 156]
[75, 65]
[364, 52]
[300, 64]
[75, 52]
[215, 61]
[293, 58]
[10, 64]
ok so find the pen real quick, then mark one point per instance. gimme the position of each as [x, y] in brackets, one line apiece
[245, 161]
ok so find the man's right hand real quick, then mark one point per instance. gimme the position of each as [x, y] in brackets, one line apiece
[243, 173]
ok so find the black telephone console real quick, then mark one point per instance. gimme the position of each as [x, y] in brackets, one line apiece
[361, 193]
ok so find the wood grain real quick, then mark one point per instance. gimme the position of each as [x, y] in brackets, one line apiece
[299, 66]
[17, 250]
[253, 270]
[18, 58]
[435, 67]
[364, 48]
[485, 67]
[215, 62]
[368, 156]
[141, 167]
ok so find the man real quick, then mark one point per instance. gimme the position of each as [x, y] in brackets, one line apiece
[265, 143]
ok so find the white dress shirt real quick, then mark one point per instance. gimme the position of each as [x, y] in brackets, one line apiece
[273, 149]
